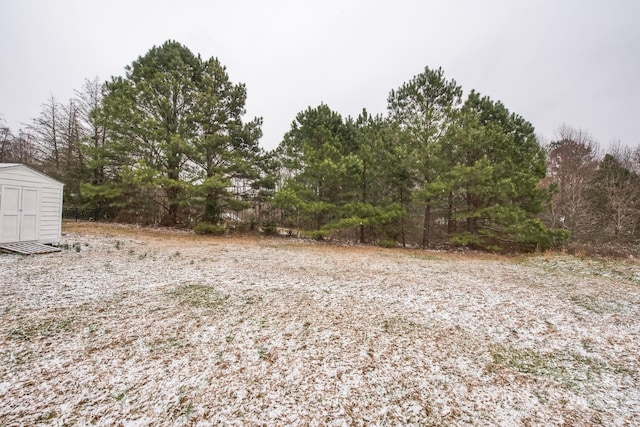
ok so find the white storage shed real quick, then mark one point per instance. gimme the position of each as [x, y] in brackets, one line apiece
[30, 205]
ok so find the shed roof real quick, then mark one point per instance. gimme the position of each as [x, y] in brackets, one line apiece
[20, 165]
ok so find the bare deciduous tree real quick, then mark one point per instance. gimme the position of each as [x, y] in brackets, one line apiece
[46, 129]
[89, 103]
[571, 162]
[6, 139]
[616, 190]
[24, 149]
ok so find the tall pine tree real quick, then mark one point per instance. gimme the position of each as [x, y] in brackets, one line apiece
[424, 108]
[176, 133]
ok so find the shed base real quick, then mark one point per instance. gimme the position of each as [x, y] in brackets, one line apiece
[28, 248]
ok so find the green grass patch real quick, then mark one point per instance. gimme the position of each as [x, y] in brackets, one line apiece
[201, 296]
[10, 359]
[398, 325]
[595, 305]
[571, 370]
[43, 328]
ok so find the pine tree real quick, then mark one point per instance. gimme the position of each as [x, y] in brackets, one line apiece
[176, 138]
[498, 165]
[424, 108]
[315, 152]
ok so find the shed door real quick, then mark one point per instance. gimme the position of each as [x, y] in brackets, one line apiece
[19, 214]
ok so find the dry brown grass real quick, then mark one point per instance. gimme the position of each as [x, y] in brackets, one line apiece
[134, 326]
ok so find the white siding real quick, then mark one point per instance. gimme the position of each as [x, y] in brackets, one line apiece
[50, 198]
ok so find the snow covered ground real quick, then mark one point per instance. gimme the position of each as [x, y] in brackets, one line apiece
[134, 327]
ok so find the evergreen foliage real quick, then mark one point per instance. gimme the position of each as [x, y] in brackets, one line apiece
[177, 139]
[168, 143]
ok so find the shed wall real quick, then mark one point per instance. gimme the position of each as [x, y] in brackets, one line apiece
[50, 199]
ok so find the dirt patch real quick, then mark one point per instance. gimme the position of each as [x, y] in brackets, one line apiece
[135, 326]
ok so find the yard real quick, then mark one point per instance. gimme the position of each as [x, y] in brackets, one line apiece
[138, 327]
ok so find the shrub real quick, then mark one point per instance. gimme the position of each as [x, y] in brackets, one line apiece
[387, 243]
[269, 227]
[318, 234]
[209, 228]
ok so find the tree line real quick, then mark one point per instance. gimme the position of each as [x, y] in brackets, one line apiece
[168, 143]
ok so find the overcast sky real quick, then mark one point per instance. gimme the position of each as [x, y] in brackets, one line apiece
[574, 62]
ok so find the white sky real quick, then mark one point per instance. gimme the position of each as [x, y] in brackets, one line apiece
[574, 62]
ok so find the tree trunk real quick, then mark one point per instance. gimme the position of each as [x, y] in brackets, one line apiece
[171, 217]
[427, 225]
[211, 209]
[472, 221]
[451, 222]
[402, 233]
[173, 194]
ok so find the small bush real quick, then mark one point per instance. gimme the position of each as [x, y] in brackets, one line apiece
[318, 234]
[387, 243]
[466, 239]
[269, 227]
[209, 228]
